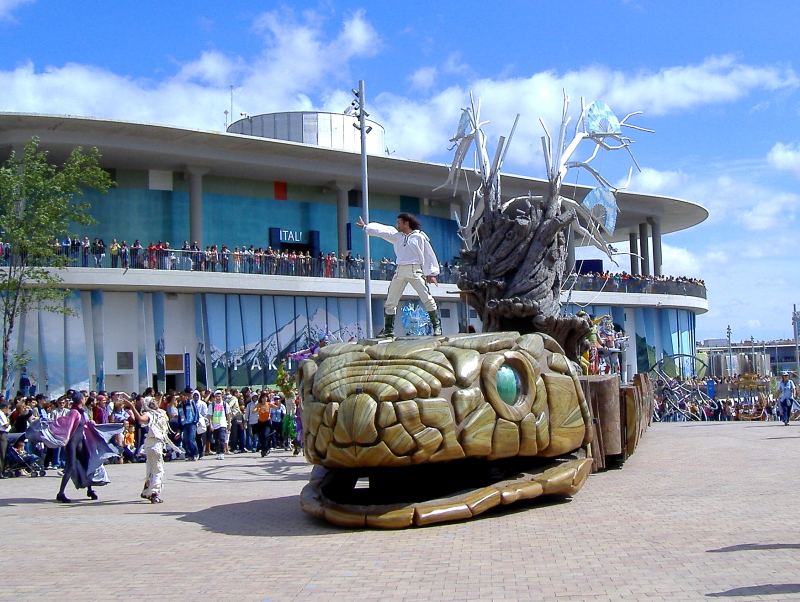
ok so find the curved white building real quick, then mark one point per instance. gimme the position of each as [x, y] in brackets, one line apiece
[135, 327]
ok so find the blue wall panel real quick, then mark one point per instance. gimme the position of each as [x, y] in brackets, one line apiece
[251, 333]
[234, 337]
[242, 338]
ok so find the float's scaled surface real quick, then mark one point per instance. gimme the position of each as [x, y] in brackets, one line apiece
[440, 428]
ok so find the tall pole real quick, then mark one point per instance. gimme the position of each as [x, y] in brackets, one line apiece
[730, 354]
[796, 323]
[362, 126]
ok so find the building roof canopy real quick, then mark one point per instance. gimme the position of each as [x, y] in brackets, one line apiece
[128, 145]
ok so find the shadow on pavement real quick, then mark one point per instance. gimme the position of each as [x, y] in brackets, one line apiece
[260, 518]
[759, 546]
[272, 469]
[759, 590]
[22, 500]
[76, 500]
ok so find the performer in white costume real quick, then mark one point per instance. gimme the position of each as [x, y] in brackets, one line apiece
[416, 265]
[157, 422]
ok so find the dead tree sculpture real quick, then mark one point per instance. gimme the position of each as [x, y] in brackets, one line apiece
[514, 252]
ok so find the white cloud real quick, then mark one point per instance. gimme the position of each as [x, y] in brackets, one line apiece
[734, 197]
[785, 157]
[212, 68]
[717, 257]
[680, 262]
[454, 64]
[717, 79]
[297, 60]
[771, 211]
[692, 262]
[8, 6]
[423, 79]
[653, 181]
[301, 67]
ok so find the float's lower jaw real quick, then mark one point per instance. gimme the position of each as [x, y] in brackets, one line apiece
[332, 494]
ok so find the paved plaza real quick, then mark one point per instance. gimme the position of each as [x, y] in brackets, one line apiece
[702, 511]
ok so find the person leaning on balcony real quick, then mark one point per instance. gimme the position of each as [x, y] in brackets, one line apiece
[124, 254]
[416, 265]
[85, 248]
[113, 249]
[136, 254]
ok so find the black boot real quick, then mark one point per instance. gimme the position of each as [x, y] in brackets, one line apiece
[436, 323]
[388, 326]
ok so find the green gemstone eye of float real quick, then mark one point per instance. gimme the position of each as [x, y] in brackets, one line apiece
[508, 384]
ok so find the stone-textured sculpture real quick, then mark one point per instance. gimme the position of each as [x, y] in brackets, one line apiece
[515, 251]
[498, 414]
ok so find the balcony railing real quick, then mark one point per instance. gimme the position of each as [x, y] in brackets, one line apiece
[198, 261]
[245, 263]
[635, 284]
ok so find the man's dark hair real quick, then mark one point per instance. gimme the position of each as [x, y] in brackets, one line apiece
[412, 220]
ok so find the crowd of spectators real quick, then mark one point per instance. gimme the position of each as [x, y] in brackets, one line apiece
[214, 258]
[622, 276]
[757, 407]
[719, 398]
[249, 259]
[634, 283]
[259, 420]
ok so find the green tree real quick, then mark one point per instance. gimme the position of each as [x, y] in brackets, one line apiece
[284, 380]
[38, 203]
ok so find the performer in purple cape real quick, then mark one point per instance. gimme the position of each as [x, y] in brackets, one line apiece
[304, 354]
[85, 449]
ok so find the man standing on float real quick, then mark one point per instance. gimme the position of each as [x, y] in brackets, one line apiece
[416, 265]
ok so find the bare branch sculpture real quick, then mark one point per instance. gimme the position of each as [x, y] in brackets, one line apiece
[514, 252]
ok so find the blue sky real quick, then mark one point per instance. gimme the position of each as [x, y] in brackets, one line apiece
[714, 79]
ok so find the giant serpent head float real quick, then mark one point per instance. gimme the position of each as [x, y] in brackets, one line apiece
[440, 428]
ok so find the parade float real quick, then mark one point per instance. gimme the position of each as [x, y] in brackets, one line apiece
[422, 430]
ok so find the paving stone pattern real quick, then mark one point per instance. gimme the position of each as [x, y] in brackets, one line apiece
[702, 511]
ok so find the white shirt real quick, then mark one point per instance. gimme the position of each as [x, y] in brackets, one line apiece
[412, 248]
[4, 425]
[786, 389]
[58, 412]
[202, 407]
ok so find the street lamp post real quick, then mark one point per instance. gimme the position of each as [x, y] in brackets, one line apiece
[730, 354]
[359, 105]
[796, 324]
[753, 349]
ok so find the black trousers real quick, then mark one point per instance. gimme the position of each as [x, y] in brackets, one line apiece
[3, 448]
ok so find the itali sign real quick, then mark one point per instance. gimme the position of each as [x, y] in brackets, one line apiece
[297, 236]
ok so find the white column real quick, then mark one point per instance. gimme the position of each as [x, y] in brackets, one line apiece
[645, 251]
[655, 229]
[633, 241]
